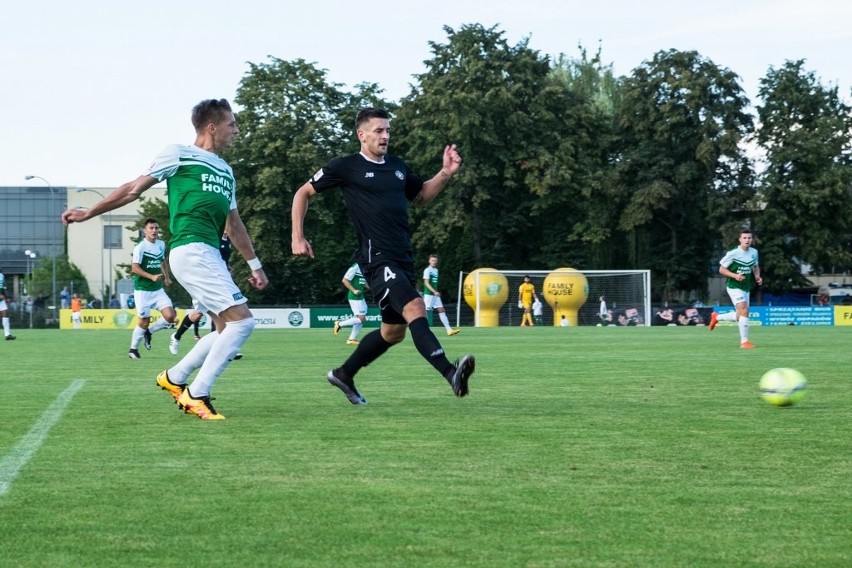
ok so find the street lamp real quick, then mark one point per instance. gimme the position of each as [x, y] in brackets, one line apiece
[31, 256]
[52, 256]
[104, 299]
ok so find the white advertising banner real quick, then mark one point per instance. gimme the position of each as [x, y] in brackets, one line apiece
[293, 318]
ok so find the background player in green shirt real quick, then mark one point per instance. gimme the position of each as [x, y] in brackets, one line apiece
[432, 296]
[355, 283]
[741, 269]
[150, 273]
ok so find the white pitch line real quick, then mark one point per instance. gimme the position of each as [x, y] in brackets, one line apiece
[15, 461]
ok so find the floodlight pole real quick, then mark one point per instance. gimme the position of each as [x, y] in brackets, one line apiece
[52, 256]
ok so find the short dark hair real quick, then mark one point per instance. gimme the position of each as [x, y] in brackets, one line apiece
[150, 220]
[210, 110]
[365, 114]
[745, 231]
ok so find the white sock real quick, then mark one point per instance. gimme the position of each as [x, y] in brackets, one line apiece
[192, 360]
[743, 323]
[136, 338]
[350, 321]
[158, 325]
[356, 329]
[6, 327]
[221, 353]
[727, 316]
[445, 320]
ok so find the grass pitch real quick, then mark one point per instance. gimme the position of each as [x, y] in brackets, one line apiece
[576, 447]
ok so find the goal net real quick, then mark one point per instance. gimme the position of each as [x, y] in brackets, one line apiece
[489, 297]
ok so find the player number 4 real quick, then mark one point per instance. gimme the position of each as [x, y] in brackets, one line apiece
[389, 274]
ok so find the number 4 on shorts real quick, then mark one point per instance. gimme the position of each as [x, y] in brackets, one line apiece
[389, 274]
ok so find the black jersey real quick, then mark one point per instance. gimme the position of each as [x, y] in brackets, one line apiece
[376, 196]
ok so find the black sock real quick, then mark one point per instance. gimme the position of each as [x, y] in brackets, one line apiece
[369, 349]
[195, 326]
[429, 347]
[184, 325]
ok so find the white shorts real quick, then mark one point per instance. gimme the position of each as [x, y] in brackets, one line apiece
[146, 300]
[432, 302]
[201, 271]
[199, 307]
[738, 296]
[3, 306]
[359, 307]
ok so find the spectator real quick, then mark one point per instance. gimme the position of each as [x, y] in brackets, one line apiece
[664, 316]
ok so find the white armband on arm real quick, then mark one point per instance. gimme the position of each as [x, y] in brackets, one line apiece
[254, 264]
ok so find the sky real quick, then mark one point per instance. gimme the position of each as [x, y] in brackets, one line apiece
[93, 90]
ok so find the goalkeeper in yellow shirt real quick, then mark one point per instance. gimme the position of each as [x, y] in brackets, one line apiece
[526, 295]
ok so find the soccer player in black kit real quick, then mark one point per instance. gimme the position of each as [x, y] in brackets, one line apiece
[377, 189]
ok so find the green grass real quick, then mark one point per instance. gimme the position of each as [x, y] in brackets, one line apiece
[576, 447]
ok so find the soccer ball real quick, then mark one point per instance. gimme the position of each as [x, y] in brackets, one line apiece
[782, 387]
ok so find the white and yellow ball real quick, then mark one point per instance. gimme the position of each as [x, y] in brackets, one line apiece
[783, 387]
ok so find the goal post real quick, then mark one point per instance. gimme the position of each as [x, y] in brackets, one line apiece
[489, 297]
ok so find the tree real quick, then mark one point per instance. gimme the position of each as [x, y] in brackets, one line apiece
[598, 96]
[805, 188]
[680, 165]
[67, 274]
[522, 134]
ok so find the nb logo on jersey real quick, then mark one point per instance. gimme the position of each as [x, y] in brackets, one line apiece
[389, 274]
[399, 174]
[369, 174]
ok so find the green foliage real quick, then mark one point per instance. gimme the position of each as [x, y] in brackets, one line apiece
[805, 189]
[565, 164]
[531, 156]
[679, 165]
[67, 274]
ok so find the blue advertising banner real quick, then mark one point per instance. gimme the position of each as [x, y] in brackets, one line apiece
[758, 315]
[793, 315]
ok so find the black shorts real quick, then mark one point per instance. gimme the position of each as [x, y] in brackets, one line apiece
[392, 284]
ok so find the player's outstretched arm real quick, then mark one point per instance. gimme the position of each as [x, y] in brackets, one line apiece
[124, 194]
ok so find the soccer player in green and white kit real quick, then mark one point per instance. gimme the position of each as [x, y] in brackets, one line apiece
[202, 207]
[740, 266]
[150, 272]
[355, 283]
[431, 295]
